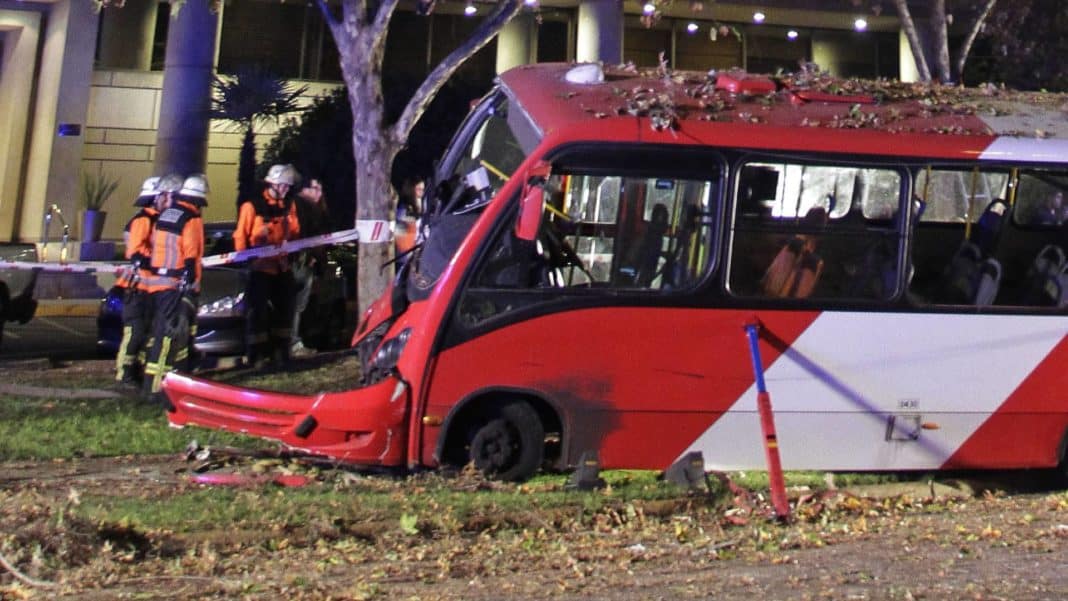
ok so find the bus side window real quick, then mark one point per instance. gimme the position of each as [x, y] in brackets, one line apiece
[1007, 254]
[830, 232]
[610, 233]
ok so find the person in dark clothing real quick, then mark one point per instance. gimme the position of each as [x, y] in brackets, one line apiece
[267, 220]
[308, 264]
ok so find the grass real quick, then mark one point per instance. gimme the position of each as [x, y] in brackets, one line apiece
[43, 428]
[35, 428]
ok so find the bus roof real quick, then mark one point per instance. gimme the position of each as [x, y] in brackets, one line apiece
[803, 111]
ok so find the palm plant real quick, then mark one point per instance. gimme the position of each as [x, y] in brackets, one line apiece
[96, 189]
[252, 95]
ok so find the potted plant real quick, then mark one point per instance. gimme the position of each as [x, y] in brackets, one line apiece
[96, 189]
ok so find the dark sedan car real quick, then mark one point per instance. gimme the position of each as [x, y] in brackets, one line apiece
[16, 286]
[221, 316]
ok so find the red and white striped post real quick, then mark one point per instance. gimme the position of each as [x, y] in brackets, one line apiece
[767, 425]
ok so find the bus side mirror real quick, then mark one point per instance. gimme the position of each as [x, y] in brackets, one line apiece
[530, 210]
[530, 207]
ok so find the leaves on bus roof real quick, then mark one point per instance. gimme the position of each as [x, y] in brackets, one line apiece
[675, 96]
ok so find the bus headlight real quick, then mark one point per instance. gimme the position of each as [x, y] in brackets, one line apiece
[390, 351]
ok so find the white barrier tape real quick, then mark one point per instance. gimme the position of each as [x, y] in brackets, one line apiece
[374, 230]
[285, 248]
[209, 261]
[77, 267]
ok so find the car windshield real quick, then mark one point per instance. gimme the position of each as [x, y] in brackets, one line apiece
[215, 283]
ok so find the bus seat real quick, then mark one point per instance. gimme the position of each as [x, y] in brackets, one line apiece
[973, 275]
[650, 249]
[987, 282]
[959, 282]
[1047, 278]
[988, 227]
[794, 272]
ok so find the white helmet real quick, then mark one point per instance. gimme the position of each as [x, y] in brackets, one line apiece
[150, 187]
[195, 187]
[170, 183]
[282, 174]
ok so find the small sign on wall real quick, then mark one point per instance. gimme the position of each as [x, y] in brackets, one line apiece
[69, 129]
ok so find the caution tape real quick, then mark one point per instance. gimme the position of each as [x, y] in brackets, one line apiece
[260, 252]
[263, 252]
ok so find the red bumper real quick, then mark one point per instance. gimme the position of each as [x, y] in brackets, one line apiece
[366, 426]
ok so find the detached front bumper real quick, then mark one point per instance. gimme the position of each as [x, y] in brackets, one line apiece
[365, 426]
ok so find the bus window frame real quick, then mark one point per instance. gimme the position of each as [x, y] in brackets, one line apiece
[600, 159]
[900, 225]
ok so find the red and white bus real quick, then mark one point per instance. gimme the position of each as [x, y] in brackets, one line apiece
[598, 240]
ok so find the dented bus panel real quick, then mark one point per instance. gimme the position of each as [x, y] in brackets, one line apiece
[597, 240]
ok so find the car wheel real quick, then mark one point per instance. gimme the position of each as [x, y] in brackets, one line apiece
[509, 444]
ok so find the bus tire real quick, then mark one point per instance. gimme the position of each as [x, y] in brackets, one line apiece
[510, 445]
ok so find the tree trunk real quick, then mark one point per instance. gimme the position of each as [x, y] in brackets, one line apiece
[918, 52]
[246, 167]
[373, 153]
[360, 34]
[940, 41]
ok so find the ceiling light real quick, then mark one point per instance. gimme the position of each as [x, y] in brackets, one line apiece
[758, 17]
[648, 8]
[470, 9]
[792, 34]
[691, 28]
[860, 24]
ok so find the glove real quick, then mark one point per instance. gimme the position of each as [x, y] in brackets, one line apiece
[188, 283]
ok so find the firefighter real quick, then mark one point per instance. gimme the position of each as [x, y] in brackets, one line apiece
[174, 282]
[267, 219]
[155, 196]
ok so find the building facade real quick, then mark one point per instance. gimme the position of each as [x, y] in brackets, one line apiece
[86, 92]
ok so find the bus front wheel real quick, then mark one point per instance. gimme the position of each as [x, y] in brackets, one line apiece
[510, 444]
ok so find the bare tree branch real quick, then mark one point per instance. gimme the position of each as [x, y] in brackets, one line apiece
[381, 22]
[502, 13]
[914, 39]
[328, 16]
[969, 39]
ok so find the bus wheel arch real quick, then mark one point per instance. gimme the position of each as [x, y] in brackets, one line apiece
[509, 435]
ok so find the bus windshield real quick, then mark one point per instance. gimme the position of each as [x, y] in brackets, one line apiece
[489, 147]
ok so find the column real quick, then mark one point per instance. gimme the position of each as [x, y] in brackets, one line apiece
[517, 42]
[600, 31]
[54, 160]
[192, 42]
[19, 31]
[127, 34]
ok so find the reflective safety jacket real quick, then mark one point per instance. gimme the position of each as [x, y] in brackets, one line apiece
[137, 237]
[177, 247]
[266, 221]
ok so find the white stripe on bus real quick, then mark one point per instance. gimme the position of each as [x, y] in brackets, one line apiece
[832, 391]
[1026, 150]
